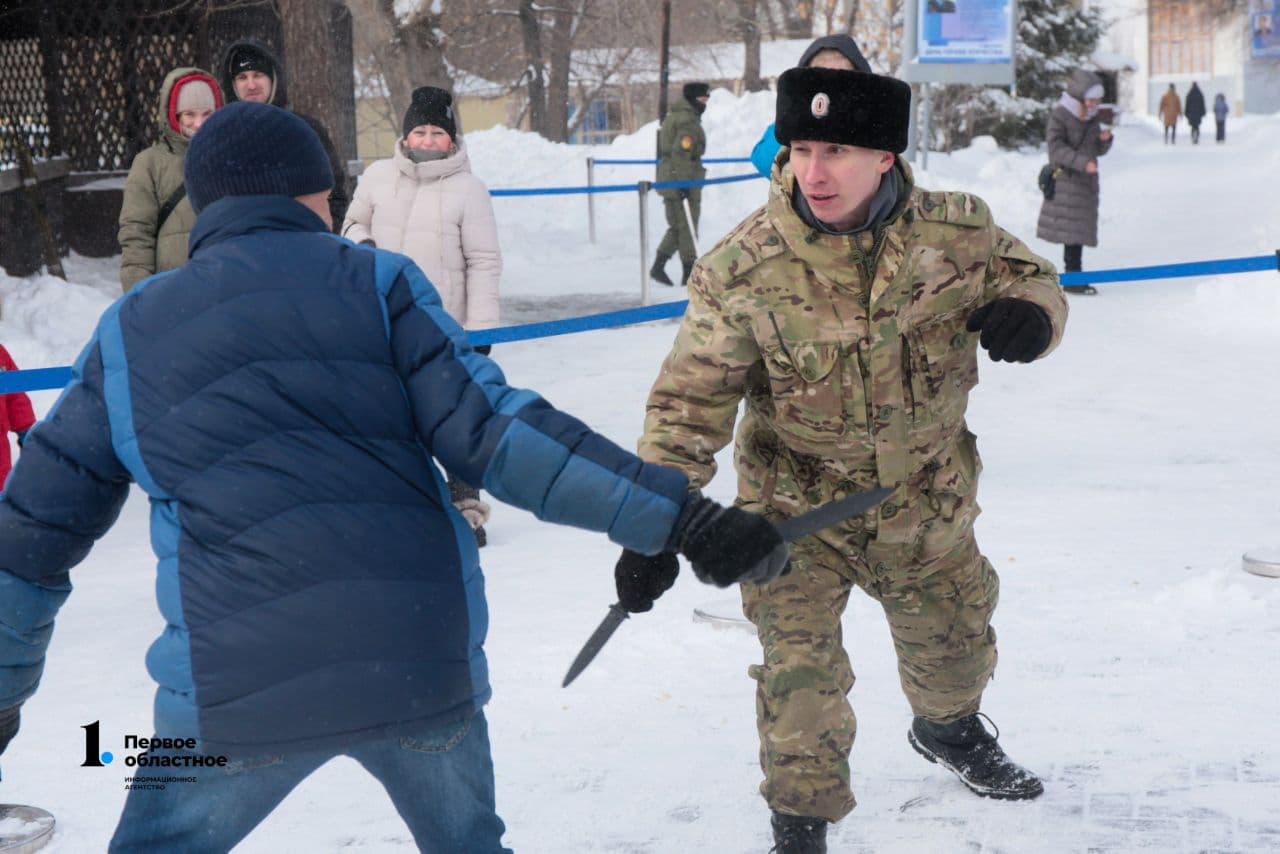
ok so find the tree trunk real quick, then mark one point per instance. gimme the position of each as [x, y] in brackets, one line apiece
[308, 57]
[532, 36]
[797, 19]
[749, 28]
[851, 19]
[410, 54]
[557, 116]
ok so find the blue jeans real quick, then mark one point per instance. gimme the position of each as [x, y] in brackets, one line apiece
[440, 780]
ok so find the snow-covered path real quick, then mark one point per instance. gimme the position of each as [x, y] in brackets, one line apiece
[1124, 477]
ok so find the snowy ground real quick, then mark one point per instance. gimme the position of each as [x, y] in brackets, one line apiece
[1124, 478]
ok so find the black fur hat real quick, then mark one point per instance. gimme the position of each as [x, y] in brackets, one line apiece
[844, 107]
[695, 90]
[431, 106]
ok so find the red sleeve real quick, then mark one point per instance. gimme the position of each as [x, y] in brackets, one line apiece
[21, 416]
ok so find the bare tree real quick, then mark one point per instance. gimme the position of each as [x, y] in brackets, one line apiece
[308, 49]
[531, 31]
[797, 18]
[851, 12]
[749, 29]
[565, 20]
[413, 53]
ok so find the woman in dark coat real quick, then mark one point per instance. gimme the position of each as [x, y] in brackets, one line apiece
[1076, 140]
[1194, 111]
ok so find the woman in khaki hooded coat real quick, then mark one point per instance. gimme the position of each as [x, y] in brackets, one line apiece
[425, 203]
[155, 216]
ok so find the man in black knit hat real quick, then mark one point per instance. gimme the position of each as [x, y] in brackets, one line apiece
[846, 314]
[681, 143]
[250, 71]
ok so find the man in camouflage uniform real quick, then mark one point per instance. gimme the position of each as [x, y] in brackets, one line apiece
[844, 312]
[681, 144]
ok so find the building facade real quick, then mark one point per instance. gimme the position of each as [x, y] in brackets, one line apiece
[1185, 41]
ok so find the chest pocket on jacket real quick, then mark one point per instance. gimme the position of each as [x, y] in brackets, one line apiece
[817, 389]
[940, 361]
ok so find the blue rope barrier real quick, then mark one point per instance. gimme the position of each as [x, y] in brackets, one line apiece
[35, 379]
[1252, 264]
[584, 323]
[599, 162]
[39, 379]
[621, 188]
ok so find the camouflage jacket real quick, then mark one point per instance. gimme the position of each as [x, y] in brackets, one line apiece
[681, 144]
[850, 350]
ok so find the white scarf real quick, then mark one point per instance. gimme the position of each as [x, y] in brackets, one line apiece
[1073, 107]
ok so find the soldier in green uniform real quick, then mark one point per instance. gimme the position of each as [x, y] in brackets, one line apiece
[681, 144]
[847, 313]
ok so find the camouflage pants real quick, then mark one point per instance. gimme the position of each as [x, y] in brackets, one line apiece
[938, 593]
[678, 235]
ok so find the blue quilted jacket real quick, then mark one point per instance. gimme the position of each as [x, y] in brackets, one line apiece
[281, 399]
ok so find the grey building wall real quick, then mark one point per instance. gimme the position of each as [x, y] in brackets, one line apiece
[1262, 85]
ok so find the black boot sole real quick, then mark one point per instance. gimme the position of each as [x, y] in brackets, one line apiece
[996, 794]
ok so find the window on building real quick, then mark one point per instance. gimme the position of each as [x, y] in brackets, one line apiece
[1181, 37]
[602, 123]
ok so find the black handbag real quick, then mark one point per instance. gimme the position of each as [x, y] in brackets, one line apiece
[1047, 180]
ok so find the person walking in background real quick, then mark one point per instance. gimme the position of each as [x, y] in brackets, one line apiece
[1170, 108]
[155, 216]
[425, 203]
[838, 51]
[1220, 112]
[283, 400]
[681, 144]
[16, 416]
[250, 71]
[845, 316]
[1195, 111]
[1075, 140]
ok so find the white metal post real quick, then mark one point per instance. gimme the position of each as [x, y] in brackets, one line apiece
[642, 190]
[591, 203]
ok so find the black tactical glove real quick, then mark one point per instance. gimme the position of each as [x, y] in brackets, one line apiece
[1013, 330]
[483, 349]
[22, 438]
[727, 545]
[9, 719]
[641, 579]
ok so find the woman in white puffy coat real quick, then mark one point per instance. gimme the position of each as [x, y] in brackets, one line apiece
[425, 203]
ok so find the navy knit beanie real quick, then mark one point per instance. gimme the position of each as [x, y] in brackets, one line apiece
[250, 149]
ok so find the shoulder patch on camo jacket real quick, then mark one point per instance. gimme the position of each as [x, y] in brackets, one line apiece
[753, 242]
[962, 209]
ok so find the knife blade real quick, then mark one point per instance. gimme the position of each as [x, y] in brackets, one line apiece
[596, 642]
[831, 513]
[791, 529]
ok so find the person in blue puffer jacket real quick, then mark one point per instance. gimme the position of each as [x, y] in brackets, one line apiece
[282, 399]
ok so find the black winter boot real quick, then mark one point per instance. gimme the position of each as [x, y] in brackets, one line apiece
[658, 274]
[688, 268]
[798, 834]
[973, 754]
